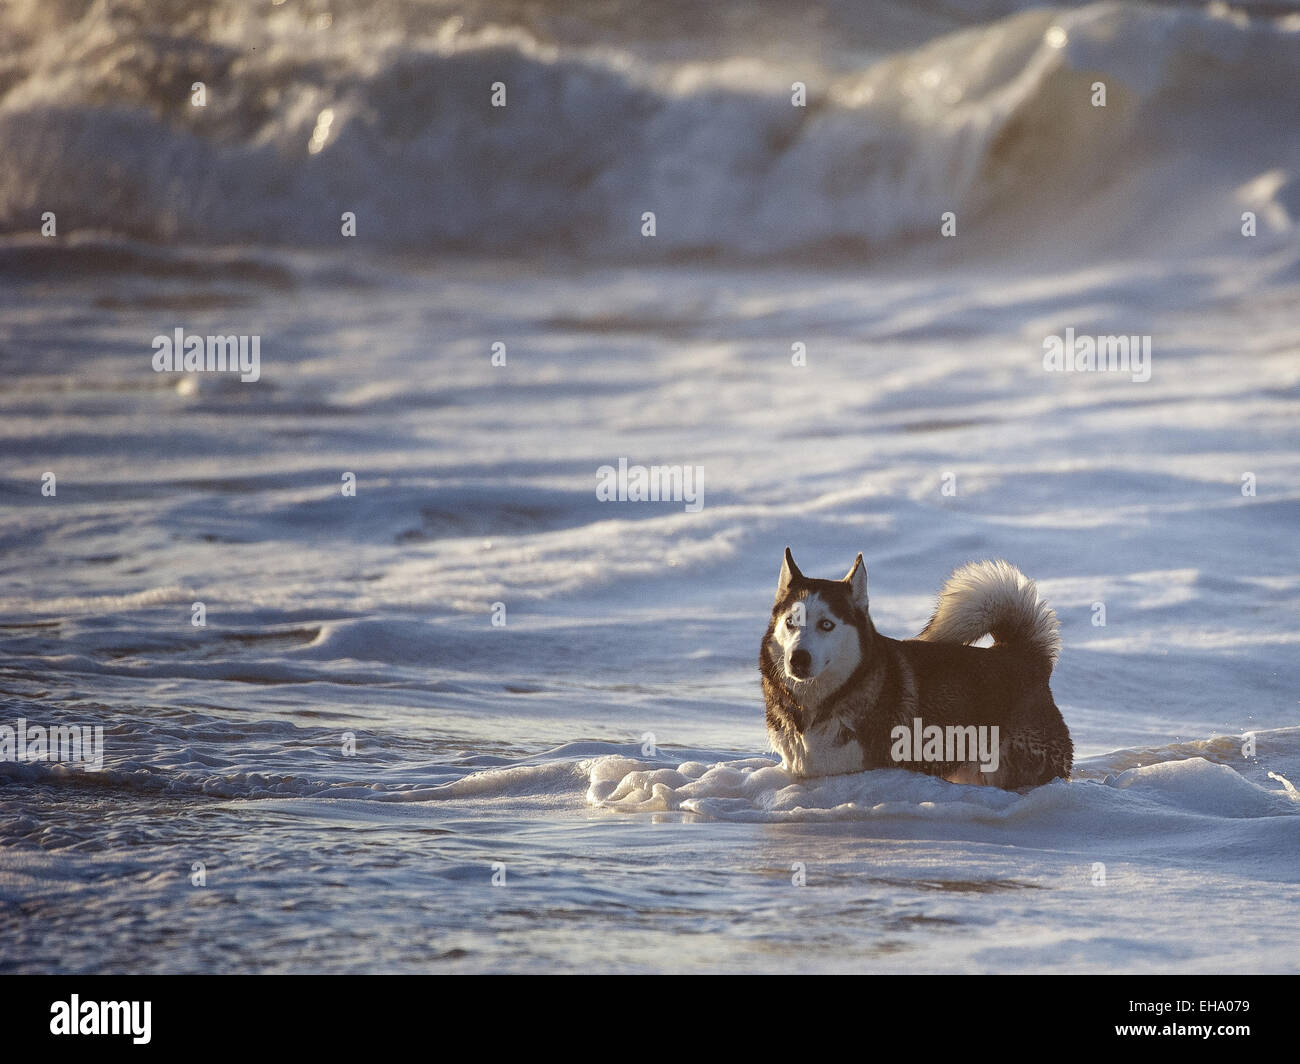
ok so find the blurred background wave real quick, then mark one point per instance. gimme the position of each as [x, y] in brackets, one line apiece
[316, 107]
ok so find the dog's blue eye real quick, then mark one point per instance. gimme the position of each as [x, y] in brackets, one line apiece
[825, 625]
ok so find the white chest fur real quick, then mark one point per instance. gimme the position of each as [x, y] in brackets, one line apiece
[819, 751]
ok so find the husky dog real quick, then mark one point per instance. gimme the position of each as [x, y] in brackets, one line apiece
[841, 697]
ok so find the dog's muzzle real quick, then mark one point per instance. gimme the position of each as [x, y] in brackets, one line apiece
[800, 664]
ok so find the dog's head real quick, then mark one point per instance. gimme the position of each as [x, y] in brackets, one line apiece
[817, 628]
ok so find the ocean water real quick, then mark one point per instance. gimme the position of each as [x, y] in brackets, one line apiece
[471, 717]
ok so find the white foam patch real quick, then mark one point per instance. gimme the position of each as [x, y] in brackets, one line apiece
[756, 789]
[1197, 785]
[97, 605]
[516, 781]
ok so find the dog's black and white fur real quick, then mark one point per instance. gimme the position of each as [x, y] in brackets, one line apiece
[837, 690]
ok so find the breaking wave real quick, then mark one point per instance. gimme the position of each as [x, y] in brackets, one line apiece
[385, 110]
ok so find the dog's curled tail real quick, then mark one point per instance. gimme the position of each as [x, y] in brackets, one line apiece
[995, 598]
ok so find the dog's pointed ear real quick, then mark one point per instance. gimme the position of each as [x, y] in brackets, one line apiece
[857, 581]
[789, 574]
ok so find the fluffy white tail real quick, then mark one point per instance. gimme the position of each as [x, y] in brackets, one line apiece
[995, 598]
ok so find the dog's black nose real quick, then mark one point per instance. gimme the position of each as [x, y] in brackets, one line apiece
[801, 663]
